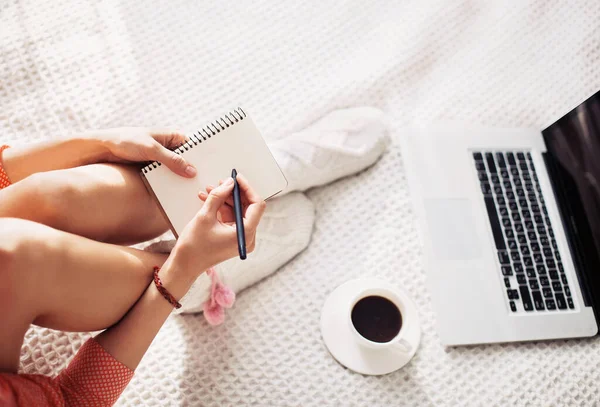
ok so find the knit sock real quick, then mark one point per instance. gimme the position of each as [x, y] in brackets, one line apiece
[342, 143]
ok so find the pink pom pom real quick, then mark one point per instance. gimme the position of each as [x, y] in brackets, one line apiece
[224, 296]
[221, 297]
[215, 314]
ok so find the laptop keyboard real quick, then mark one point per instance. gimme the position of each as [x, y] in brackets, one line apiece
[531, 266]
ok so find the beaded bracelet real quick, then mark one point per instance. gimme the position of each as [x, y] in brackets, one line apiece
[161, 289]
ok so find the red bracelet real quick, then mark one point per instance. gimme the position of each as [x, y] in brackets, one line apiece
[4, 181]
[161, 289]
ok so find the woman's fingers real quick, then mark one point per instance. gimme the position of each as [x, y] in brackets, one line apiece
[175, 162]
[227, 215]
[247, 190]
[167, 139]
[168, 136]
[254, 206]
[229, 200]
[217, 197]
[248, 194]
[225, 212]
[253, 215]
[250, 199]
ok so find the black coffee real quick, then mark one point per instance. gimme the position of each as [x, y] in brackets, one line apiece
[376, 318]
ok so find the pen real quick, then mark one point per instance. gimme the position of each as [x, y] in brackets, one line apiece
[239, 220]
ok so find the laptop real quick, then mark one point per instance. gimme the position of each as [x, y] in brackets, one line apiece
[510, 224]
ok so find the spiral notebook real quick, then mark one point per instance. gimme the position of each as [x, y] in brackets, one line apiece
[231, 141]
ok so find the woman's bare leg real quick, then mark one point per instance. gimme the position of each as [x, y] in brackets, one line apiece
[104, 202]
[62, 281]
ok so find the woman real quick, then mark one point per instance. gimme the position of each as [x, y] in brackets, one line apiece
[56, 276]
[67, 209]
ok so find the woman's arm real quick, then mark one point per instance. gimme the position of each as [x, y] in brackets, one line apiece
[128, 340]
[128, 144]
[206, 241]
[21, 161]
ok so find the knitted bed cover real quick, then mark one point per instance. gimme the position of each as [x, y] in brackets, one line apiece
[68, 66]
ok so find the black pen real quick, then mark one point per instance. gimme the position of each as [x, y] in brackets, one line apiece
[239, 219]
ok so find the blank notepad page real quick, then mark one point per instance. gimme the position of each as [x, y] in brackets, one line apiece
[232, 141]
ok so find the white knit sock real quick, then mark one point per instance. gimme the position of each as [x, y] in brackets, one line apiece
[342, 143]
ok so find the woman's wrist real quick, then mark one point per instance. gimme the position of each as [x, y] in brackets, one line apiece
[189, 259]
[177, 277]
[96, 145]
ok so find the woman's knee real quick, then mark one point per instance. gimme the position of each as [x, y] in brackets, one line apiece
[105, 202]
[24, 247]
[69, 199]
[23, 241]
[8, 247]
[50, 194]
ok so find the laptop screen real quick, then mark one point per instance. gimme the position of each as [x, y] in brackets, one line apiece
[573, 162]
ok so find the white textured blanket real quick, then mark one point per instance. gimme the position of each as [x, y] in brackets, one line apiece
[68, 66]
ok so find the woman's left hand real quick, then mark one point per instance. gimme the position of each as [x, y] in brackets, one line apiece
[135, 144]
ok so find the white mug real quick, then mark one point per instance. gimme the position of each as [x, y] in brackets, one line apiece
[398, 343]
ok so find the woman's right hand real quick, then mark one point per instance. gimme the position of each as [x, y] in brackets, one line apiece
[211, 237]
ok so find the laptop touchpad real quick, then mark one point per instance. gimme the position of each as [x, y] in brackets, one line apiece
[452, 229]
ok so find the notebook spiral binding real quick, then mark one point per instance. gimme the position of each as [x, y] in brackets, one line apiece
[205, 133]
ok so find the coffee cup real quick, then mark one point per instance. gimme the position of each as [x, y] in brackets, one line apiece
[379, 319]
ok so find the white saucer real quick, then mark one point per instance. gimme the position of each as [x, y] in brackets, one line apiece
[341, 342]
